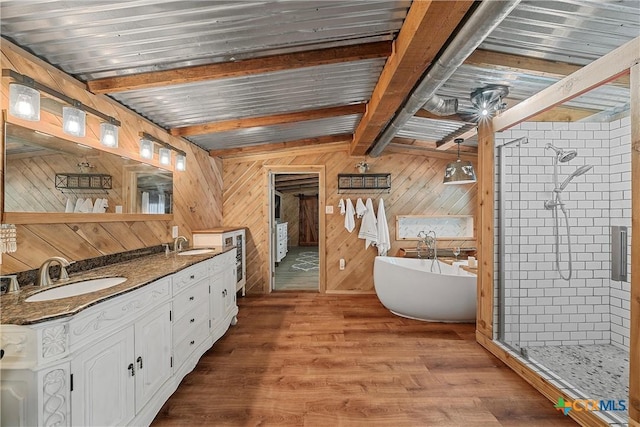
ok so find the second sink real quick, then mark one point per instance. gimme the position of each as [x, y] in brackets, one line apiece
[77, 288]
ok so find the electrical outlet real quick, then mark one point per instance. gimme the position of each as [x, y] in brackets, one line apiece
[342, 263]
[328, 209]
[174, 231]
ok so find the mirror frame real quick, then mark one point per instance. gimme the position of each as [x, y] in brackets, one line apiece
[62, 217]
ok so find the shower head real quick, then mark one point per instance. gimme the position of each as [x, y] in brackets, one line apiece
[580, 171]
[563, 156]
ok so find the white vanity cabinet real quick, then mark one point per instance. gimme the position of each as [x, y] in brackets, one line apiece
[223, 308]
[190, 314]
[117, 362]
[115, 376]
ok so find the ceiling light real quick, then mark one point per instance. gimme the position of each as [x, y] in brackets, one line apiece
[165, 152]
[459, 172]
[24, 102]
[74, 121]
[108, 135]
[146, 149]
[488, 100]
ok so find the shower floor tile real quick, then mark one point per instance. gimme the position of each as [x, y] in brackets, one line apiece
[597, 371]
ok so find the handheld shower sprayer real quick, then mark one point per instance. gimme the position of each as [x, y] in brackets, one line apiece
[555, 203]
[580, 171]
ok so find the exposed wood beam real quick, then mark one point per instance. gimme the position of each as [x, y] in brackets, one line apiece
[600, 71]
[528, 65]
[427, 27]
[563, 114]
[280, 146]
[294, 177]
[275, 119]
[450, 142]
[241, 68]
[417, 150]
[422, 113]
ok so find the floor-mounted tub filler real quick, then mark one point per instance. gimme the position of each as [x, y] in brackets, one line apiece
[409, 288]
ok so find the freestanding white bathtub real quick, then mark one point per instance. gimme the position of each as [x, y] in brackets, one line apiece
[408, 288]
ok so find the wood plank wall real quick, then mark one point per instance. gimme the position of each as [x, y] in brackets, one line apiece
[197, 192]
[417, 189]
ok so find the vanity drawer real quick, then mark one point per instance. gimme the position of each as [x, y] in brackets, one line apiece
[189, 276]
[183, 326]
[196, 336]
[189, 300]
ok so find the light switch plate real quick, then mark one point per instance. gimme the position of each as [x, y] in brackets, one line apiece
[328, 209]
[174, 231]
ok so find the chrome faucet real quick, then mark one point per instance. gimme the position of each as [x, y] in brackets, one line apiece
[44, 279]
[177, 243]
[430, 240]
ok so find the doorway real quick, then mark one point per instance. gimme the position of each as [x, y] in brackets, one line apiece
[295, 231]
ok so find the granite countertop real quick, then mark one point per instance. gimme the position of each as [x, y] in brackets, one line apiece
[139, 272]
[218, 230]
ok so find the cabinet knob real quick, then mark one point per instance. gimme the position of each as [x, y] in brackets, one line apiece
[139, 360]
[1, 354]
[192, 343]
[192, 277]
[132, 370]
[191, 298]
[193, 320]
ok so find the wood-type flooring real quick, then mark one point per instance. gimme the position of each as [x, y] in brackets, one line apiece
[306, 359]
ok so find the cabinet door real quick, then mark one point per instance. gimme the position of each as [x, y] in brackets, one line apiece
[152, 353]
[217, 299]
[103, 382]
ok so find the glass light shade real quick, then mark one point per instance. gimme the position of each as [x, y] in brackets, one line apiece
[24, 102]
[146, 149]
[459, 172]
[108, 135]
[165, 156]
[181, 162]
[74, 121]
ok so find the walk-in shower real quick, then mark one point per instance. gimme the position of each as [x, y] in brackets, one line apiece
[561, 190]
[555, 203]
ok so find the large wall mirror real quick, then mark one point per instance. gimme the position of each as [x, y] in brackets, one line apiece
[46, 174]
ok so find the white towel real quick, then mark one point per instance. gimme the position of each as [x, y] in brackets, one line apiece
[383, 241]
[361, 209]
[97, 206]
[368, 228]
[87, 206]
[343, 209]
[78, 206]
[69, 207]
[349, 222]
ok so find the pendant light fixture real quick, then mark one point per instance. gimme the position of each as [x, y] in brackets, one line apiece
[108, 135]
[181, 162]
[147, 142]
[165, 156]
[459, 172]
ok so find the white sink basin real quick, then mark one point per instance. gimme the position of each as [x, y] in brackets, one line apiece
[197, 252]
[75, 289]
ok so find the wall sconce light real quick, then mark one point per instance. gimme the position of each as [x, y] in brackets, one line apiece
[165, 156]
[459, 172]
[146, 149]
[108, 135]
[164, 152]
[181, 162]
[24, 102]
[74, 121]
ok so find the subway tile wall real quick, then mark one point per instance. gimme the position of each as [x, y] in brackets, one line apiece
[540, 307]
